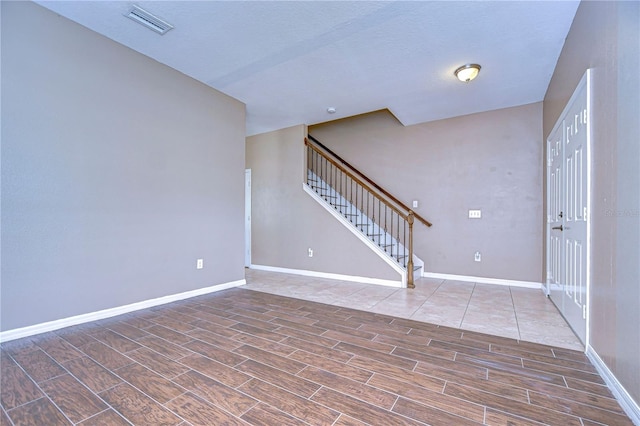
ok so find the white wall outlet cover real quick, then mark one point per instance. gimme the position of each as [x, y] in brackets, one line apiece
[415, 204]
[475, 214]
[310, 252]
[199, 263]
[478, 257]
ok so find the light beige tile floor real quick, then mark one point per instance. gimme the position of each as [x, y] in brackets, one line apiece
[519, 313]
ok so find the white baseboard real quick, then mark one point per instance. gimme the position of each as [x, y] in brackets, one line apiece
[353, 278]
[44, 327]
[630, 407]
[483, 280]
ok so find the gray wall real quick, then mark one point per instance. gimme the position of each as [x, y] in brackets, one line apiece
[117, 173]
[286, 221]
[605, 36]
[490, 161]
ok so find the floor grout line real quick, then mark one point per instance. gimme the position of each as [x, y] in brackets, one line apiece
[468, 303]
[515, 312]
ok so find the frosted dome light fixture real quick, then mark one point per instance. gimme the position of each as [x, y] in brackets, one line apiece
[467, 72]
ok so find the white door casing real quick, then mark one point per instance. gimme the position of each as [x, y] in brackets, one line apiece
[247, 218]
[568, 233]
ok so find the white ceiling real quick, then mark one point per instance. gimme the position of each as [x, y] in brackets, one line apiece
[288, 61]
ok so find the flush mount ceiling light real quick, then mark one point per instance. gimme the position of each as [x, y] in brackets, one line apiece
[148, 20]
[468, 72]
[331, 110]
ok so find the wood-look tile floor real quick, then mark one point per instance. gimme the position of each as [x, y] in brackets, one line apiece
[240, 357]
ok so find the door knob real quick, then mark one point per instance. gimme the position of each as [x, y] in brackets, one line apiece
[557, 227]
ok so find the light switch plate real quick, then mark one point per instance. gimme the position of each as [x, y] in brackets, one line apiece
[415, 204]
[475, 214]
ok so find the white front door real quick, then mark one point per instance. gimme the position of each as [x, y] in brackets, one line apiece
[568, 210]
[247, 218]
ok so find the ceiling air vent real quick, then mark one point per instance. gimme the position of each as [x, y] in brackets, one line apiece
[150, 21]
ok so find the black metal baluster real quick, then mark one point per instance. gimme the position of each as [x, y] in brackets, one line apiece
[405, 243]
[391, 250]
[385, 227]
[351, 200]
[397, 237]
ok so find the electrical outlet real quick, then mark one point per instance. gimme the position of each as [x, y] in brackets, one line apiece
[310, 252]
[199, 263]
[415, 204]
[478, 257]
[475, 214]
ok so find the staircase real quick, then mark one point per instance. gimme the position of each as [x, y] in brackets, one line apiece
[377, 217]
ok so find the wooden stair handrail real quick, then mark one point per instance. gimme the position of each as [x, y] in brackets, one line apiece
[369, 181]
[355, 178]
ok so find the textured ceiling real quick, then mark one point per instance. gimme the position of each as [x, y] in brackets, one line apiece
[290, 60]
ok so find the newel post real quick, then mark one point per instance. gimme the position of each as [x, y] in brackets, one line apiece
[410, 283]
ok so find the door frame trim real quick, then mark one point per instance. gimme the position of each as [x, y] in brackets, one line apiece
[247, 218]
